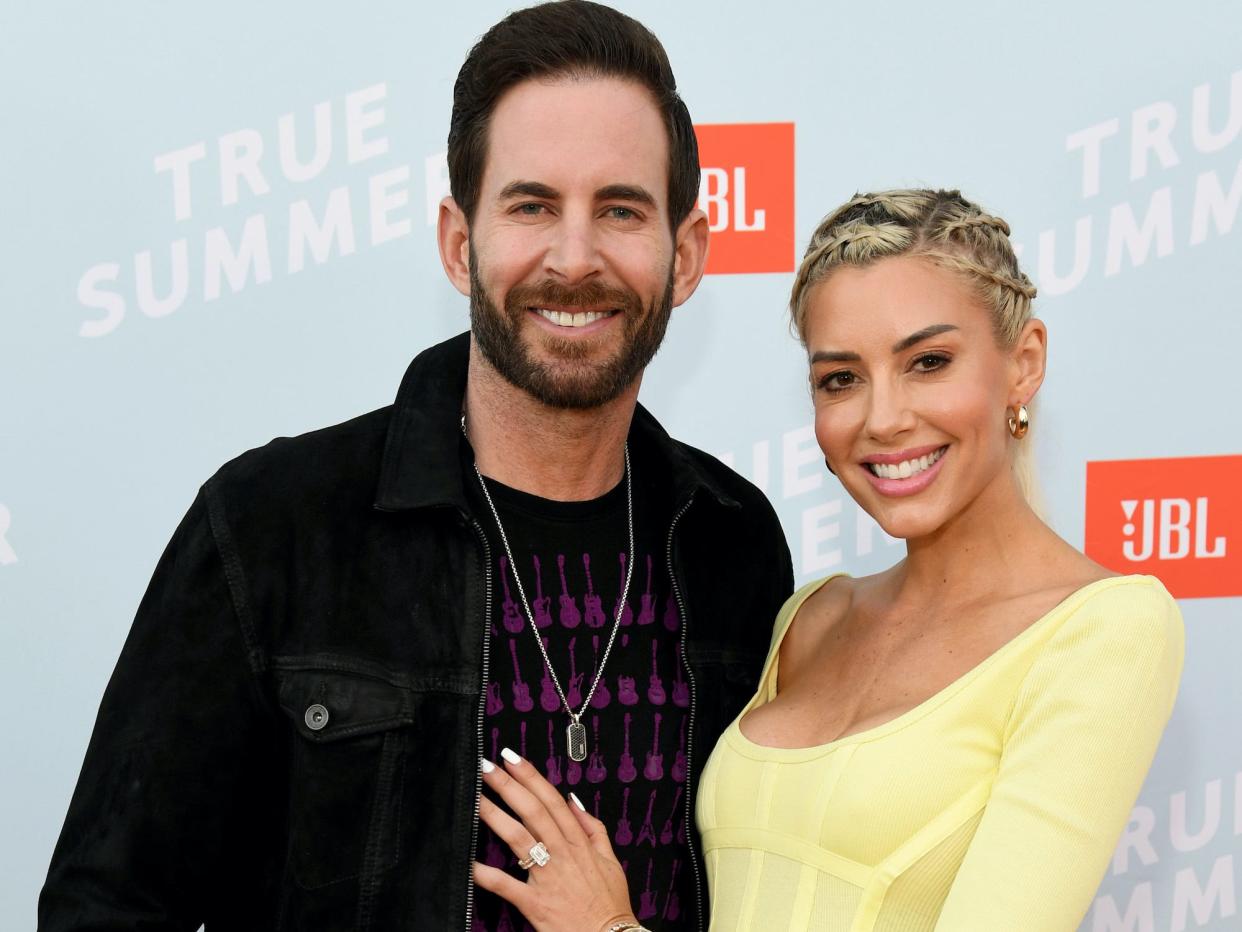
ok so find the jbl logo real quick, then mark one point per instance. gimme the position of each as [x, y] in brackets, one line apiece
[746, 188]
[1172, 522]
[1173, 518]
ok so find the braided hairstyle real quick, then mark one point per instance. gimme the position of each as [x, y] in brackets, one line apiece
[948, 230]
[940, 225]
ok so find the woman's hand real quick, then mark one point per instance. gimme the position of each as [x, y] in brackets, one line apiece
[582, 887]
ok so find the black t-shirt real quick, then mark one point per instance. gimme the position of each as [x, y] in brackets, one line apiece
[572, 558]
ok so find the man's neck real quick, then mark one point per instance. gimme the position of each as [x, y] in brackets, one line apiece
[556, 453]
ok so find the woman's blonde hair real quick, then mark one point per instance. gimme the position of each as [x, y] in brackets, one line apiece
[943, 227]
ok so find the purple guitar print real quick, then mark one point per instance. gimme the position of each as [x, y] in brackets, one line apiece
[681, 690]
[627, 694]
[494, 703]
[646, 902]
[646, 613]
[595, 809]
[666, 833]
[602, 696]
[513, 620]
[623, 608]
[573, 772]
[672, 907]
[679, 761]
[573, 696]
[648, 832]
[553, 766]
[521, 692]
[595, 617]
[542, 609]
[655, 685]
[654, 768]
[625, 834]
[626, 771]
[549, 700]
[523, 744]
[596, 772]
[570, 616]
[672, 617]
[506, 922]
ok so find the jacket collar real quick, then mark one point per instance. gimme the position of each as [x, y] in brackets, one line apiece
[422, 462]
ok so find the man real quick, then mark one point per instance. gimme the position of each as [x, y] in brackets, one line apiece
[345, 622]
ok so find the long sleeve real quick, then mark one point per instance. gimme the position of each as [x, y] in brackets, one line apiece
[169, 798]
[1080, 739]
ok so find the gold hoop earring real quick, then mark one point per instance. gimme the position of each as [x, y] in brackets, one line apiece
[1019, 422]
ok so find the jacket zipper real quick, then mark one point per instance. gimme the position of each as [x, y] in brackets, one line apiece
[478, 778]
[681, 609]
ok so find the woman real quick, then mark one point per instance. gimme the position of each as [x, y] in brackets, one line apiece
[954, 743]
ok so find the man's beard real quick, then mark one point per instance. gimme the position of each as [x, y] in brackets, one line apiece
[569, 381]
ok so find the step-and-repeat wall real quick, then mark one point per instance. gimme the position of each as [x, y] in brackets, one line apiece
[217, 227]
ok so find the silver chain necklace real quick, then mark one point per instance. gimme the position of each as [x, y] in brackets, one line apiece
[575, 734]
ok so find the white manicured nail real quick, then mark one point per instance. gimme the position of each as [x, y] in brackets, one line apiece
[510, 756]
[577, 801]
[486, 765]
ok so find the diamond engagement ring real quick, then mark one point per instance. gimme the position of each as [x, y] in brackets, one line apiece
[538, 856]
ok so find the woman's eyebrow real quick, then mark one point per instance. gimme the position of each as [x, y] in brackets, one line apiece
[920, 335]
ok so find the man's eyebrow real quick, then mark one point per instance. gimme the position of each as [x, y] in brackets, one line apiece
[528, 189]
[626, 192]
[826, 356]
[920, 335]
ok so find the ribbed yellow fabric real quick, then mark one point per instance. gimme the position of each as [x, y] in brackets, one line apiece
[992, 806]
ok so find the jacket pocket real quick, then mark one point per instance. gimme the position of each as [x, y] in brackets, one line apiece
[349, 744]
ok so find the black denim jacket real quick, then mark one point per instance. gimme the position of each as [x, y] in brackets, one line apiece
[291, 737]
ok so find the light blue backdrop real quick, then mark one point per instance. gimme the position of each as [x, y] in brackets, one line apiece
[104, 439]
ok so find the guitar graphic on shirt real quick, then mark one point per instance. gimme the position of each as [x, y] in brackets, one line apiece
[646, 902]
[542, 609]
[679, 761]
[646, 613]
[494, 703]
[549, 700]
[626, 771]
[666, 833]
[595, 617]
[596, 771]
[602, 696]
[681, 690]
[521, 691]
[655, 685]
[523, 745]
[654, 768]
[513, 619]
[573, 696]
[672, 617]
[672, 906]
[648, 832]
[623, 608]
[570, 616]
[625, 834]
[553, 767]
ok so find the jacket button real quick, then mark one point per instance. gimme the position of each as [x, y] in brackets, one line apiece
[316, 717]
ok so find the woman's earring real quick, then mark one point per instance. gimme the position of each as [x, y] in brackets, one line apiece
[1019, 422]
[829, 465]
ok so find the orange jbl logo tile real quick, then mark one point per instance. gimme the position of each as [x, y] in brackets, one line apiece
[1177, 519]
[747, 191]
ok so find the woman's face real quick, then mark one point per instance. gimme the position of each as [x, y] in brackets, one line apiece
[911, 391]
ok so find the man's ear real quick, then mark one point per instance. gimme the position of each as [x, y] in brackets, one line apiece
[1028, 358]
[689, 255]
[453, 236]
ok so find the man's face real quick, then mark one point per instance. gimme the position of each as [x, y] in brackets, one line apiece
[571, 255]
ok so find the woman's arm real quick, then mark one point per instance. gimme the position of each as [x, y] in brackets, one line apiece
[1080, 740]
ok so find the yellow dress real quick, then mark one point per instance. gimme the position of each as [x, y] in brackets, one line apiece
[993, 806]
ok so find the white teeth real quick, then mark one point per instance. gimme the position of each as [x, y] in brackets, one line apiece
[568, 319]
[906, 468]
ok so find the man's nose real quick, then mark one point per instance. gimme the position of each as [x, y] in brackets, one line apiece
[573, 255]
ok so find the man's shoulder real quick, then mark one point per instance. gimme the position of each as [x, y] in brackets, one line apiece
[726, 480]
[343, 457]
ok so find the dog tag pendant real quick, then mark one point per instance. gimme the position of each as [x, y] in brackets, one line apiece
[577, 741]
